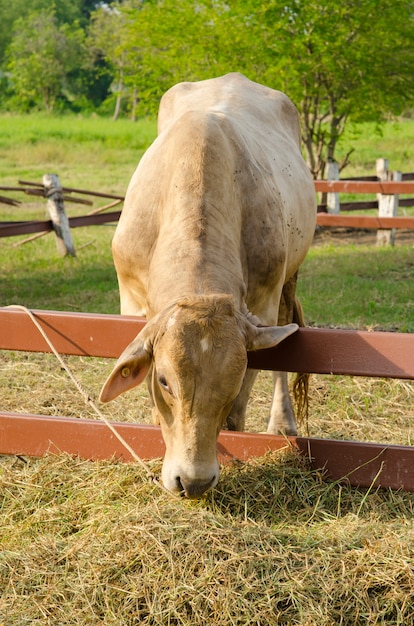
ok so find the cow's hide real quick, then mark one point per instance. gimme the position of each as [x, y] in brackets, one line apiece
[217, 219]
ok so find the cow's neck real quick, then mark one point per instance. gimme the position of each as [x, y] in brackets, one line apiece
[197, 256]
[198, 247]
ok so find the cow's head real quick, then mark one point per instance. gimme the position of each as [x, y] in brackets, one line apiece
[195, 354]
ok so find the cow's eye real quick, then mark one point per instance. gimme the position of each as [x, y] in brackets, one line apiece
[163, 383]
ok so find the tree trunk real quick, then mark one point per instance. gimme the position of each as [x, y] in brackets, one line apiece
[118, 101]
[134, 105]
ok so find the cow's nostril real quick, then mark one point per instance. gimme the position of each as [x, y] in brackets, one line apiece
[180, 487]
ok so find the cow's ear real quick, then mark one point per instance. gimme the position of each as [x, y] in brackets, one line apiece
[130, 370]
[259, 338]
[133, 365]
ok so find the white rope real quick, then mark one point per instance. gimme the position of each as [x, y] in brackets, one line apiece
[85, 395]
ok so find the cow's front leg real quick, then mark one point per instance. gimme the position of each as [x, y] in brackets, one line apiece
[237, 417]
[282, 417]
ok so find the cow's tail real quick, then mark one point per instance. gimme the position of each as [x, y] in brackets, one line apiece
[301, 381]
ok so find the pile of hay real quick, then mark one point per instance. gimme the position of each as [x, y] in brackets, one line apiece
[95, 543]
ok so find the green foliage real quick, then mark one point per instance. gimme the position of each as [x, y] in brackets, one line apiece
[66, 11]
[339, 61]
[43, 58]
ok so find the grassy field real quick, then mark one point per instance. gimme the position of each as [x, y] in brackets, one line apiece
[88, 153]
[96, 543]
[394, 141]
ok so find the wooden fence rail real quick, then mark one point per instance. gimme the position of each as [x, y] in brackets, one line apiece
[376, 222]
[314, 350]
[9, 229]
[387, 187]
[363, 186]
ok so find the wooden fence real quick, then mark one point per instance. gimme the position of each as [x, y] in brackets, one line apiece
[354, 353]
[56, 195]
[387, 201]
[385, 222]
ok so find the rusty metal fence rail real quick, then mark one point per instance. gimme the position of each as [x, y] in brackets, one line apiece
[354, 353]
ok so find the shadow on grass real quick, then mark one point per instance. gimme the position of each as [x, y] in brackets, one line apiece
[63, 284]
[281, 486]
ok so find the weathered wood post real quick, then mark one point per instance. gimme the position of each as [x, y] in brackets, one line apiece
[332, 198]
[387, 204]
[56, 208]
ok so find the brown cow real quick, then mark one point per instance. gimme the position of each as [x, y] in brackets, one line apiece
[217, 219]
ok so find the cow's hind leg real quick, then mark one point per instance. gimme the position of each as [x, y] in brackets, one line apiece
[282, 417]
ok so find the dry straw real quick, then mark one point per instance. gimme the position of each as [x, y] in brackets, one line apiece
[95, 543]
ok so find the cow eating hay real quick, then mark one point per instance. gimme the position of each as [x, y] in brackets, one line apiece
[217, 219]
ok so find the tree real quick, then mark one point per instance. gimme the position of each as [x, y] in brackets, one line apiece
[42, 56]
[66, 12]
[108, 40]
[338, 61]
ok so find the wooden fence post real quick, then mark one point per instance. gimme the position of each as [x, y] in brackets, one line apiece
[387, 204]
[332, 198]
[56, 208]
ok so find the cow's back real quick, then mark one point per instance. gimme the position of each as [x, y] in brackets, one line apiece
[243, 100]
[259, 166]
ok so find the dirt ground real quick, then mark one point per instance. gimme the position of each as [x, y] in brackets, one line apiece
[356, 236]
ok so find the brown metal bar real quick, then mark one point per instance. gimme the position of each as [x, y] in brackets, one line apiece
[12, 229]
[314, 350]
[31, 184]
[359, 464]
[362, 464]
[34, 192]
[24, 228]
[37, 435]
[364, 221]
[77, 200]
[83, 334]
[94, 220]
[347, 352]
[6, 188]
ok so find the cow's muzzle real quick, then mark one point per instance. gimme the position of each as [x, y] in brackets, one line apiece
[194, 488]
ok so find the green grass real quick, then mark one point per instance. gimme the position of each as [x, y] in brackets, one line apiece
[359, 286]
[90, 153]
[393, 141]
[104, 152]
[36, 276]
